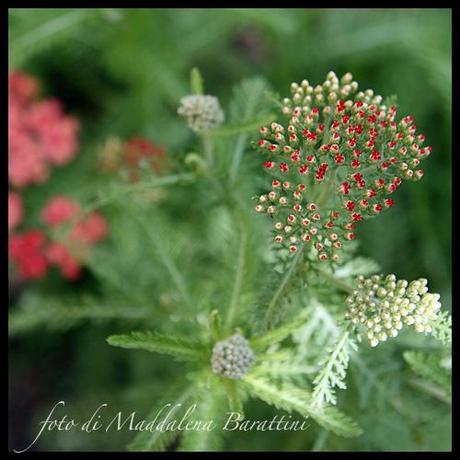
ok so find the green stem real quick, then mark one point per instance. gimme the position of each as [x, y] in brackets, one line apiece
[282, 286]
[167, 260]
[208, 146]
[237, 156]
[335, 281]
[320, 441]
[239, 273]
[130, 188]
[324, 195]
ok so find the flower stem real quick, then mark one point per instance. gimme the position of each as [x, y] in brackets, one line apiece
[123, 190]
[239, 273]
[208, 146]
[334, 280]
[271, 306]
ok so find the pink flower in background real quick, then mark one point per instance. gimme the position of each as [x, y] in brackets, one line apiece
[91, 230]
[33, 253]
[132, 155]
[22, 88]
[57, 254]
[15, 210]
[27, 251]
[58, 210]
[40, 133]
[85, 231]
[41, 136]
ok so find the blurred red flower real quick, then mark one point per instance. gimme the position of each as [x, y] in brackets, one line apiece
[33, 253]
[133, 155]
[27, 251]
[40, 134]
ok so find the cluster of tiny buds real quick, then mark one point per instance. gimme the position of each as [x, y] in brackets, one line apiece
[304, 95]
[383, 305]
[303, 222]
[202, 112]
[350, 142]
[232, 357]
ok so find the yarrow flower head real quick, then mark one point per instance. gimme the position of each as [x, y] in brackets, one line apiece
[28, 252]
[232, 357]
[383, 305]
[335, 162]
[40, 133]
[132, 155]
[63, 210]
[34, 252]
[202, 112]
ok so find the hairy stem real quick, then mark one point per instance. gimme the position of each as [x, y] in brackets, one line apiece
[208, 146]
[130, 188]
[271, 306]
[325, 193]
[237, 155]
[239, 273]
[335, 281]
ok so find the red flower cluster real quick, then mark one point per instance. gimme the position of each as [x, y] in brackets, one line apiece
[28, 251]
[33, 253]
[353, 146]
[132, 155]
[40, 134]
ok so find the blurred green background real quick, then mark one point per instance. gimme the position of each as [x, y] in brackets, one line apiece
[122, 72]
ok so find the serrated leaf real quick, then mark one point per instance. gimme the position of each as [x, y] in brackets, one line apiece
[442, 328]
[158, 440]
[62, 314]
[333, 372]
[278, 334]
[429, 367]
[181, 349]
[210, 401]
[292, 398]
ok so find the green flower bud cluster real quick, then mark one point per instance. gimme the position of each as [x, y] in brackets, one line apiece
[202, 112]
[383, 305]
[232, 357]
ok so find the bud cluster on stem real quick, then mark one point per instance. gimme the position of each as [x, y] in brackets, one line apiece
[334, 133]
[383, 305]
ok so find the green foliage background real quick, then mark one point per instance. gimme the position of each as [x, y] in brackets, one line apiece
[122, 72]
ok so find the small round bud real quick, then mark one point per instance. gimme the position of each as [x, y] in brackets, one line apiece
[202, 112]
[232, 357]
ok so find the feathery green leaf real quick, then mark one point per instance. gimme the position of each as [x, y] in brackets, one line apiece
[181, 349]
[292, 398]
[334, 371]
[429, 367]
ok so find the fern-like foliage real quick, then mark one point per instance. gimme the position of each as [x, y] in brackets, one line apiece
[179, 348]
[442, 328]
[278, 334]
[334, 370]
[429, 368]
[55, 315]
[210, 402]
[158, 440]
[292, 398]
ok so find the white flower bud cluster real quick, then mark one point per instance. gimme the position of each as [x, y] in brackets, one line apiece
[383, 305]
[202, 112]
[325, 96]
[232, 357]
[304, 95]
